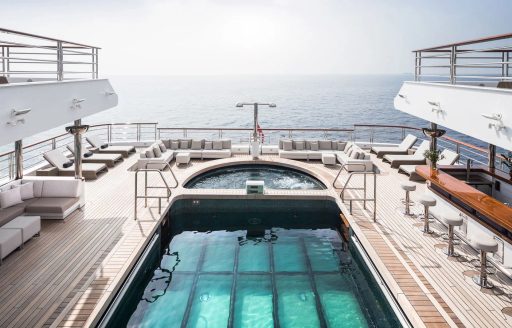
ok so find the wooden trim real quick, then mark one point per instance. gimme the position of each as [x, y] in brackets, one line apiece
[480, 202]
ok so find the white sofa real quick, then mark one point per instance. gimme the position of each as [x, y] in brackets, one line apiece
[157, 156]
[354, 158]
[308, 149]
[201, 148]
[346, 153]
[50, 198]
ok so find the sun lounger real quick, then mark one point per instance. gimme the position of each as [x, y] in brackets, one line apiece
[415, 159]
[449, 158]
[89, 170]
[104, 148]
[89, 157]
[401, 149]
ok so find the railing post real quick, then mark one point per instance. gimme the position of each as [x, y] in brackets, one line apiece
[11, 166]
[138, 132]
[109, 133]
[3, 61]
[156, 132]
[507, 62]
[54, 143]
[60, 64]
[417, 66]
[453, 60]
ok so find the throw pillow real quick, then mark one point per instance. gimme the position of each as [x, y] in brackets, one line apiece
[163, 149]
[68, 164]
[324, 144]
[362, 155]
[217, 145]
[184, 144]
[157, 151]
[226, 143]
[175, 145]
[208, 145]
[149, 153]
[347, 147]
[300, 145]
[196, 145]
[287, 145]
[26, 190]
[10, 197]
[354, 155]
[341, 146]
[314, 145]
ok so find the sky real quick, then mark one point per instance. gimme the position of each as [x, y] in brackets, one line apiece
[235, 37]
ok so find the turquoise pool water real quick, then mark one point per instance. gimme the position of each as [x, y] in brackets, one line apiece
[285, 278]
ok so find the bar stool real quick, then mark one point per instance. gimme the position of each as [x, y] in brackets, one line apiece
[427, 201]
[408, 187]
[485, 245]
[451, 221]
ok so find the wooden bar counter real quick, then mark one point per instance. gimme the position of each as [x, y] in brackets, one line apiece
[489, 211]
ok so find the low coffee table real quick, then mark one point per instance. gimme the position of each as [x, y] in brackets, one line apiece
[182, 158]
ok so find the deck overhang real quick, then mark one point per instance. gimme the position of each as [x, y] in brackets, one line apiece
[479, 112]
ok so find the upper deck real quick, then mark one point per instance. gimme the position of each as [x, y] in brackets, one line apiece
[46, 82]
[464, 86]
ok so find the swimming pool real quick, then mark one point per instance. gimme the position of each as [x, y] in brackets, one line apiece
[289, 269]
[274, 176]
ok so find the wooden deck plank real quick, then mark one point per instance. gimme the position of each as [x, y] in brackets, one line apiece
[64, 277]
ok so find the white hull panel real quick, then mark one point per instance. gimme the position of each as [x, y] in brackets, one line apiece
[466, 109]
[51, 104]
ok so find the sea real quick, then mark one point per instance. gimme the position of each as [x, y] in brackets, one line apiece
[303, 101]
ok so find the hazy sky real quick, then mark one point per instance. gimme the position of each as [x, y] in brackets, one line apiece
[203, 37]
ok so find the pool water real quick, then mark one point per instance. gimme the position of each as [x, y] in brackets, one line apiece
[234, 177]
[283, 278]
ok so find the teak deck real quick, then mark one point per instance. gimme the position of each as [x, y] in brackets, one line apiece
[66, 277]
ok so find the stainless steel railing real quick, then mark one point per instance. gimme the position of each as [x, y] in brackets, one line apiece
[166, 186]
[141, 131]
[483, 61]
[30, 57]
[365, 197]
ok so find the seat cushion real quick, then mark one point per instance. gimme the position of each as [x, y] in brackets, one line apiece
[10, 213]
[57, 205]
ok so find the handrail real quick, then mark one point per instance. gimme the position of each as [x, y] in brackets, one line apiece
[492, 65]
[146, 187]
[44, 38]
[170, 170]
[468, 42]
[26, 55]
[364, 188]
[138, 131]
